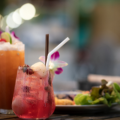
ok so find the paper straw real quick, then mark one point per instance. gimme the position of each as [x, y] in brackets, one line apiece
[54, 50]
[46, 47]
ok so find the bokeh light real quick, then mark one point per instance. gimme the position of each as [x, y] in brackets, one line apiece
[10, 21]
[27, 11]
[3, 23]
[16, 17]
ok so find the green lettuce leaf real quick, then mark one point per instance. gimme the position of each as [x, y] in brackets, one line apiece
[115, 88]
[83, 99]
[100, 95]
[95, 92]
[100, 100]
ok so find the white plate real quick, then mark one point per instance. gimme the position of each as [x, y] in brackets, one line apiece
[75, 109]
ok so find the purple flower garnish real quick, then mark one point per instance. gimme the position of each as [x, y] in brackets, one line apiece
[0, 32]
[55, 56]
[59, 71]
[14, 35]
[55, 64]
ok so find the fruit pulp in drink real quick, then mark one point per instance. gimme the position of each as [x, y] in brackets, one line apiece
[33, 96]
[9, 62]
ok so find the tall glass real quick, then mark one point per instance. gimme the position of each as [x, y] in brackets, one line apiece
[10, 59]
[33, 95]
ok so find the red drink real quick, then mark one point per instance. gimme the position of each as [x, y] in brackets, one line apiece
[33, 95]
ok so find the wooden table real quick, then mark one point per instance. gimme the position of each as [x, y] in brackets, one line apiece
[111, 115]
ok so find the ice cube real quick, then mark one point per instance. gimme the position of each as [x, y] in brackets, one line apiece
[19, 105]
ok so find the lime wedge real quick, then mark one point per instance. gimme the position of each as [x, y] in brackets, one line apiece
[7, 37]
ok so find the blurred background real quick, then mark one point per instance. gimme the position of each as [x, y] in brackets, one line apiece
[93, 27]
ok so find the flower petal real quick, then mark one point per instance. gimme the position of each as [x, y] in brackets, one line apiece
[59, 63]
[59, 71]
[0, 32]
[7, 29]
[42, 58]
[55, 55]
[13, 33]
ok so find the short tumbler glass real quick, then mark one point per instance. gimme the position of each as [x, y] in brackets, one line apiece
[33, 95]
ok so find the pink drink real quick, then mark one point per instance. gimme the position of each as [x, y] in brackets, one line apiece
[33, 95]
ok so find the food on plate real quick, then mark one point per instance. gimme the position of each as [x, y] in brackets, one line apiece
[85, 92]
[66, 96]
[107, 93]
[63, 101]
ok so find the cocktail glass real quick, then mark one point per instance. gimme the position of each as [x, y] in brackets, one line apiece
[9, 61]
[33, 95]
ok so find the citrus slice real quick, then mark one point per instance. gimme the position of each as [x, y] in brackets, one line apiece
[7, 37]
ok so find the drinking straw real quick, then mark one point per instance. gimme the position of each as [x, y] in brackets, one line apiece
[46, 47]
[54, 50]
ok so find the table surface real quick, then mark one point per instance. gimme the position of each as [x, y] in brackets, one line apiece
[68, 117]
[111, 115]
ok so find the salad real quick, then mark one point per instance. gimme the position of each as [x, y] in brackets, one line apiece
[106, 93]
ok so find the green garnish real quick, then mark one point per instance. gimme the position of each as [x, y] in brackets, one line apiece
[103, 94]
[7, 37]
